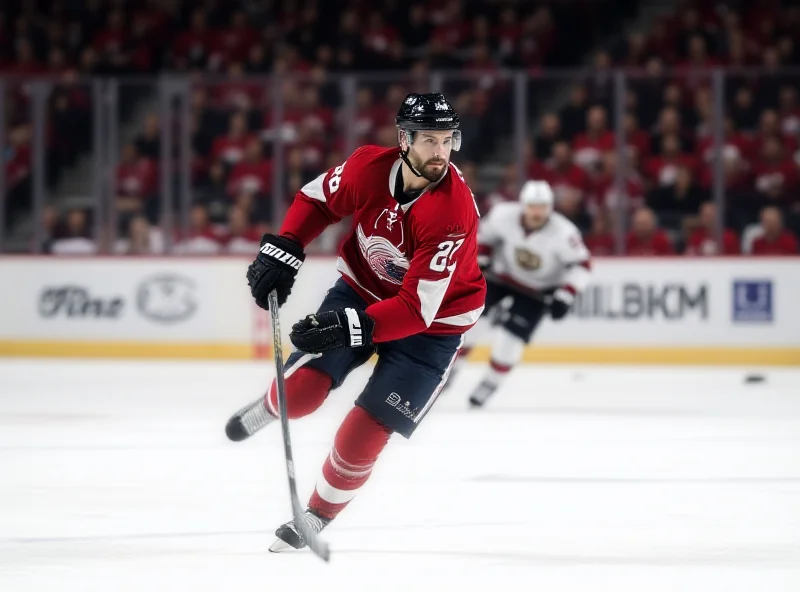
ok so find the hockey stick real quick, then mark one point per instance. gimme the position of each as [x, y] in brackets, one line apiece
[312, 539]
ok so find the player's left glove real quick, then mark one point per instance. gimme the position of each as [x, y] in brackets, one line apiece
[324, 331]
[562, 302]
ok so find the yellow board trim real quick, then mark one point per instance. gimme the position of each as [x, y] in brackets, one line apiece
[126, 349]
[691, 356]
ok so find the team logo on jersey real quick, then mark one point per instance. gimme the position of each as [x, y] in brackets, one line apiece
[527, 260]
[391, 219]
[385, 259]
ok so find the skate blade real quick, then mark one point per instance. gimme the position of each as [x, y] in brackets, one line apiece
[279, 546]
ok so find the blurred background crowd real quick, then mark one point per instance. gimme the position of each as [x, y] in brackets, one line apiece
[187, 127]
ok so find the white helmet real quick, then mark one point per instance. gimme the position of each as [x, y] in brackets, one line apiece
[536, 192]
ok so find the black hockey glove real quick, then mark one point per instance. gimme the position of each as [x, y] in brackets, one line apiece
[324, 331]
[562, 302]
[275, 268]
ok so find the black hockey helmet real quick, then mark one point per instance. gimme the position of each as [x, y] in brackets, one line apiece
[429, 111]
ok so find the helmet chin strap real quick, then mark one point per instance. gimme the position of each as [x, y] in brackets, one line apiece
[404, 156]
[404, 153]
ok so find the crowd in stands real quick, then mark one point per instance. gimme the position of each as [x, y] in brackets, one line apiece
[669, 115]
[669, 111]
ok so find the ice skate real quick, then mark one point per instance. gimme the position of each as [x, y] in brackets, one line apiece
[482, 394]
[248, 420]
[290, 538]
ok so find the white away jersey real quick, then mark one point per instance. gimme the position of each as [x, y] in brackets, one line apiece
[549, 258]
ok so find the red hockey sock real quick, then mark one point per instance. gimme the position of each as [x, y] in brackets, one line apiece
[358, 443]
[500, 368]
[306, 390]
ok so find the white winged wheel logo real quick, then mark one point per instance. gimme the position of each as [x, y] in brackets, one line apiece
[385, 259]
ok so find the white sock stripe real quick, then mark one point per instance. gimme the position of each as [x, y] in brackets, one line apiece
[438, 390]
[334, 495]
[348, 464]
[349, 470]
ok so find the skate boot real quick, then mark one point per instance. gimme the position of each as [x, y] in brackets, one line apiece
[248, 420]
[290, 538]
[482, 394]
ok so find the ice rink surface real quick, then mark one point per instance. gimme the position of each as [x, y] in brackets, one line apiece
[117, 476]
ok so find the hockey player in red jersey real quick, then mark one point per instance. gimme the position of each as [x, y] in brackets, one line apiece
[410, 287]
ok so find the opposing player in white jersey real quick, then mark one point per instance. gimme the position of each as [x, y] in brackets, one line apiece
[535, 261]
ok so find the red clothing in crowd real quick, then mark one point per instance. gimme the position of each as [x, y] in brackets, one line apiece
[701, 242]
[785, 244]
[657, 244]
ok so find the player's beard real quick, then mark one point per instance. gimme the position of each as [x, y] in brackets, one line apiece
[430, 170]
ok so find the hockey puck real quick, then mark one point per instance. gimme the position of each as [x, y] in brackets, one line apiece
[754, 378]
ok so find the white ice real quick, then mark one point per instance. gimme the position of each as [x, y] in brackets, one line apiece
[117, 477]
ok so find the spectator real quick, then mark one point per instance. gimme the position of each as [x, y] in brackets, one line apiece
[703, 239]
[148, 143]
[109, 43]
[549, 134]
[789, 111]
[50, 227]
[142, 239]
[590, 146]
[770, 127]
[774, 239]
[238, 93]
[736, 146]
[75, 238]
[417, 30]
[201, 238]
[230, 148]
[242, 237]
[636, 138]
[744, 110]
[776, 176]
[508, 190]
[563, 175]
[572, 205]
[599, 240]
[601, 83]
[645, 238]
[573, 116]
[663, 169]
[675, 202]
[190, 48]
[137, 179]
[231, 44]
[253, 173]
[605, 193]
[508, 32]
[669, 124]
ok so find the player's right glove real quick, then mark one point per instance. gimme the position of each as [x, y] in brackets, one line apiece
[562, 302]
[333, 329]
[274, 268]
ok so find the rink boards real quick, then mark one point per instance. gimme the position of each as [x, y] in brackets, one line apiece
[729, 311]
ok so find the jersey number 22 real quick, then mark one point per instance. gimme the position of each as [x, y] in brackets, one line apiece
[446, 250]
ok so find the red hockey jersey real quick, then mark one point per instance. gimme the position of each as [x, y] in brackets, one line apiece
[415, 264]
